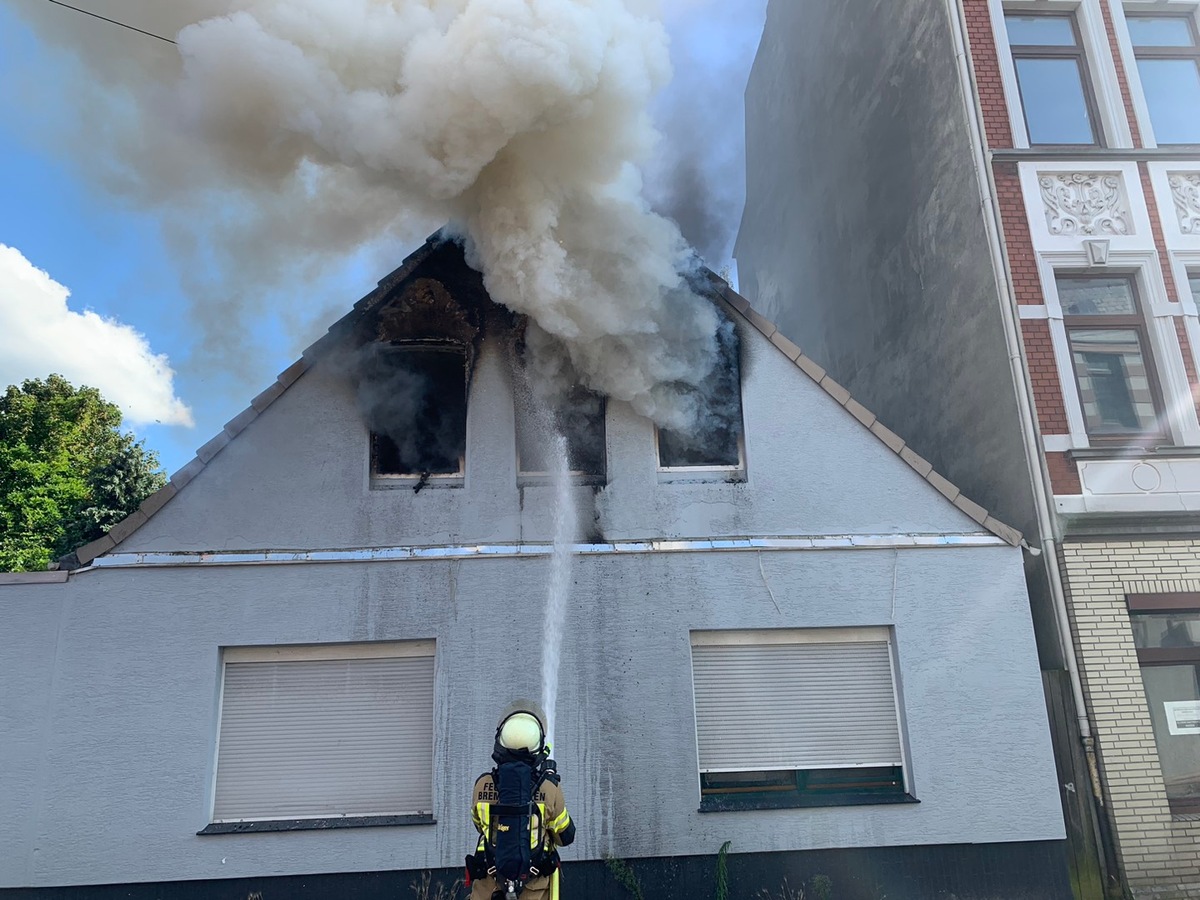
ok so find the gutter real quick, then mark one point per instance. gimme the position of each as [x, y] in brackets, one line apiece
[220, 558]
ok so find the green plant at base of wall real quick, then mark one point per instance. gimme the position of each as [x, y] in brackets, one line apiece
[786, 892]
[619, 869]
[822, 887]
[723, 872]
[424, 889]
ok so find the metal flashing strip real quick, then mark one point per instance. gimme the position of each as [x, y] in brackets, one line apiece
[493, 551]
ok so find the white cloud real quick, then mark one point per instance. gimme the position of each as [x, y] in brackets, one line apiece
[40, 335]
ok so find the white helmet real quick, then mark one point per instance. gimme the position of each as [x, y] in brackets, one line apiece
[521, 731]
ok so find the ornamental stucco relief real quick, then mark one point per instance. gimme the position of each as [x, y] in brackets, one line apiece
[1185, 189]
[1085, 203]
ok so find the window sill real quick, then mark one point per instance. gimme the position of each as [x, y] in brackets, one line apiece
[702, 476]
[315, 824]
[1124, 451]
[408, 482]
[735, 802]
[544, 479]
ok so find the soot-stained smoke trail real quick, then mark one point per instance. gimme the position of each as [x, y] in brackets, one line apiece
[520, 122]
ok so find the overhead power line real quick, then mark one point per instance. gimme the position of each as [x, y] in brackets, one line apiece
[111, 21]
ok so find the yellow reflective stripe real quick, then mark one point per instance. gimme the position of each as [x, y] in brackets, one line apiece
[483, 815]
[535, 825]
[563, 820]
[554, 885]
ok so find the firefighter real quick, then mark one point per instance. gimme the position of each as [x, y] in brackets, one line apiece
[520, 814]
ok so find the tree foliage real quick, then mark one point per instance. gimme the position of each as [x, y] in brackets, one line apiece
[67, 471]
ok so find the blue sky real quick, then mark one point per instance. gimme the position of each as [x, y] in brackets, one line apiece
[113, 257]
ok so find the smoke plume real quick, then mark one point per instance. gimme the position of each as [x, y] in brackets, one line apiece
[299, 131]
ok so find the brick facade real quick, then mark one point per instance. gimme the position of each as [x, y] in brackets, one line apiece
[1122, 77]
[1158, 851]
[1064, 474]
[1160, 243]
[1043, 372]
[1022, 262]
[987, 73]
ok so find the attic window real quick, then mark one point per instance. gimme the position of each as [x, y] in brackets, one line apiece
[715, 443]
[580, 420]
[718, 448]
[415, 400]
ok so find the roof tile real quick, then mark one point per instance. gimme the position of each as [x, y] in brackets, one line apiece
[765, 325]
[835, 390]
[947, 488]
[186, 474]
[238, 423]
[292, 372]
[889, 437]
[811, 369]
[1007, 532]
[127, 526]
[213, 447]
[88, 552]
[917, 461]
[789, 349]
[158, 499]
[267, 397]
[860, 412]
[971, 508]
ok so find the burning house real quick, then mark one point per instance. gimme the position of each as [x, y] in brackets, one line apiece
[281, 675]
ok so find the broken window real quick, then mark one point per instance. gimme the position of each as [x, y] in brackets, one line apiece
[715, 442]
[414, 398]
[579, 419]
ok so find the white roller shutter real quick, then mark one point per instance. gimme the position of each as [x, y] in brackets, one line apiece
[324, 737]
[803, 705]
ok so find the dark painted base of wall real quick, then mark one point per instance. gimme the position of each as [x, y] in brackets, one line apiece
[1019, 871]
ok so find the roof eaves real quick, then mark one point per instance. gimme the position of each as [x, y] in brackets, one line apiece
[869, 420]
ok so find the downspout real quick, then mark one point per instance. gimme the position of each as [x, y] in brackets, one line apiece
[1043, 495]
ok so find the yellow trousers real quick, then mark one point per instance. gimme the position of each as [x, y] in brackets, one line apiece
[535, 889]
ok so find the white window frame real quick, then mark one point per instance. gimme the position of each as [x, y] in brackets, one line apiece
[1158, 312]
[1113, 127]
[836, 635]
[1183, 250]
[1141, 109]
[668, 474]
[311, 652]
[1134, 253]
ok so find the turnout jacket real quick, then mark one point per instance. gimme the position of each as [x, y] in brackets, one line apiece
[555, 826]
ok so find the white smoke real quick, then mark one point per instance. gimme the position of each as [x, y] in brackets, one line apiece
[521, 121]
[281, 137]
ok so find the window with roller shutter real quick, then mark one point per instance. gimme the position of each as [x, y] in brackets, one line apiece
[340, 733]
[797, 718]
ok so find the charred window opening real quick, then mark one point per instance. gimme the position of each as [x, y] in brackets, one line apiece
[579, 418]
[414, 398]
[716, 440]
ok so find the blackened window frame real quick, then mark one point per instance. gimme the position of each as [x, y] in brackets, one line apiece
[578, 476]
[1134, 321]
[1077, 52]
[1143, 51]
[1177, 602]
[703, 470]
[380, 479]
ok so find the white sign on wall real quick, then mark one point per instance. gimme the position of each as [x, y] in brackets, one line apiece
[1183, 716]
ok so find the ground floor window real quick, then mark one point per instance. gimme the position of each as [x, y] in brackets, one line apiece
[798, 717]
[1166, 633]
[325, 732]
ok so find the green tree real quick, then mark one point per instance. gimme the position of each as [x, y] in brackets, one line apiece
[67, 471]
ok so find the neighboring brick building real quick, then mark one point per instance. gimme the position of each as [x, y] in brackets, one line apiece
[984, 216]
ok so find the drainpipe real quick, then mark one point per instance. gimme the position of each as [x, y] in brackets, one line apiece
[1043, 495]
